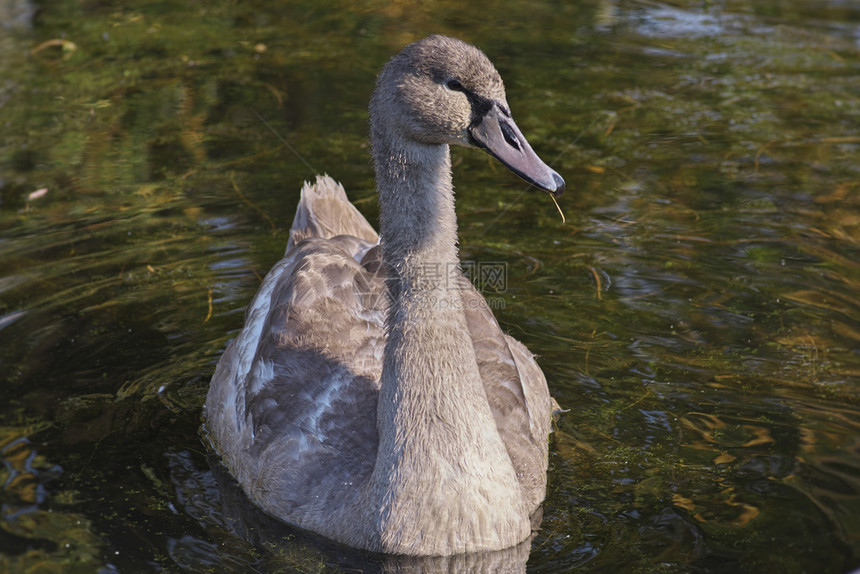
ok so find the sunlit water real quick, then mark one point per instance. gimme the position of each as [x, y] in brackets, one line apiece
[697, 313]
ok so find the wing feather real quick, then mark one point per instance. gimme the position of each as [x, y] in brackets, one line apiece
[517, 392]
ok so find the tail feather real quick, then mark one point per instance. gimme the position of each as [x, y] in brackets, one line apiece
[324, 211]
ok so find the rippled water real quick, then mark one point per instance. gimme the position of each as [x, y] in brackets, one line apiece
[697, 313]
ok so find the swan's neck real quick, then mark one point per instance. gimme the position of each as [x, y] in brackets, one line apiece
[416, 198]
[440, 456]
[429, 361]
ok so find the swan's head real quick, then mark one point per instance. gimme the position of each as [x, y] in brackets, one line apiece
[440, 90]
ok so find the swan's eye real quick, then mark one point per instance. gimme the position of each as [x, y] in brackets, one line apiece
[455, 85]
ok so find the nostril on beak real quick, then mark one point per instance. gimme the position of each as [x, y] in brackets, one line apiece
[510, 136]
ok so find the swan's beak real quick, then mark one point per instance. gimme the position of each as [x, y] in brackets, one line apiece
[499, 135]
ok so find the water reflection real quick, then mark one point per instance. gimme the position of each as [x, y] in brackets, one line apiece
[31, 534]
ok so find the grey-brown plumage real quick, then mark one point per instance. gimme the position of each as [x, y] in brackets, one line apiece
[372, 397]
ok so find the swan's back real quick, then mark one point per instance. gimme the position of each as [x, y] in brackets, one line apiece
[292, 404]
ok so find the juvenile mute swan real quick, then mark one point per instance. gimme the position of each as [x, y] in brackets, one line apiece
[371, 396]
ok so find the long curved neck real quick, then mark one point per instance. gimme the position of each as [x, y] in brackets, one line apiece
[437, 436]
[416, 196]
[429, 359]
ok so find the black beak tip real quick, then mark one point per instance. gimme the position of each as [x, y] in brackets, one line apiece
[559, 185]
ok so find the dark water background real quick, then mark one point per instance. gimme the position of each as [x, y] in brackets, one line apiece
[698, 313]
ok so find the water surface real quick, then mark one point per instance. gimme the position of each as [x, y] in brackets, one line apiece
[697, 312]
